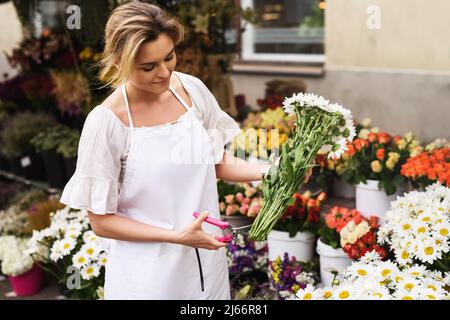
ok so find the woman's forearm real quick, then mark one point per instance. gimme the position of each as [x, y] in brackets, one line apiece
[121, 228]
[237, 170]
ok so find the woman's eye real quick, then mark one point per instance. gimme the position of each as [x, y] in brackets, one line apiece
[150, 69]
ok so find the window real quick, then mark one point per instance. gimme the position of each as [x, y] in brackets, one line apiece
[287, 30]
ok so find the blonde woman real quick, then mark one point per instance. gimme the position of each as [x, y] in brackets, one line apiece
[148, 157]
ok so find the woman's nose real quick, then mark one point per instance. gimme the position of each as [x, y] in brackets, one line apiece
[163, 71]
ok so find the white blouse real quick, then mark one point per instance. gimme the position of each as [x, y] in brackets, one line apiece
[105, 141]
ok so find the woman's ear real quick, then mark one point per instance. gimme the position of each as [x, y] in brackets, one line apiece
[117, 62]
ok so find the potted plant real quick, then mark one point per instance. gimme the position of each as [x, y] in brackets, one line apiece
[345, 235]
[16, 137]
[46, 143]
[239, 204]
[373, 164]
[295, 232]
[68, 149]
[26, 278]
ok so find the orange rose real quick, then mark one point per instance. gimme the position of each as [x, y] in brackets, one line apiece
[372, 137]
[384, 137]
[380, 154]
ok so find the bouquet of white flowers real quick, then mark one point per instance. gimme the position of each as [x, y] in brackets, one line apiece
[320, 126]
[373, 279]
[417, 228]
[14, 260]
[69, 246]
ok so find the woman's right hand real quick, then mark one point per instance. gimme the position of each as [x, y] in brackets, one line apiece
[194, 236]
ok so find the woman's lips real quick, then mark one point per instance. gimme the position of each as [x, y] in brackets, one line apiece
[161, 82]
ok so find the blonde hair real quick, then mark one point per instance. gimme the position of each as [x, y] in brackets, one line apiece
[129, 26]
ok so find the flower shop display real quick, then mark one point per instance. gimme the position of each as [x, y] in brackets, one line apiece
[246, 256]
[240, 204]
[428, 167]
[374, 279]
[69, 246]
[25, 277]
[374, 165]
[295, 232]
[345, 234]
[288, 275]
[319, 126]
[262, 134]
[417, 228]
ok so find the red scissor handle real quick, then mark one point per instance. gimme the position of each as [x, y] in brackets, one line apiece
[221, 224]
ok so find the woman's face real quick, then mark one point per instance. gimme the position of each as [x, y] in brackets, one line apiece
[154, 64]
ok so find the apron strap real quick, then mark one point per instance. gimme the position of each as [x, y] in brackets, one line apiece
[185, 105]
[124, 91]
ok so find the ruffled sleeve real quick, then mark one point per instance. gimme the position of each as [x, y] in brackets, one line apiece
[95, 184]
[221, 127]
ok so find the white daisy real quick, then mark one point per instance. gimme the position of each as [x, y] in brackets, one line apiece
[90, 271]
[79, 260]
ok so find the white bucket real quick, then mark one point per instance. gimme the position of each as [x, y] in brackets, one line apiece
[301, 246]
[343, 189]
[331, 260]
[371, 201]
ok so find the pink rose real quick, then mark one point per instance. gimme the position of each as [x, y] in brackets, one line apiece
[229, 211]
[244, 209]
[239, 197]
[246, 201]
[229, 198]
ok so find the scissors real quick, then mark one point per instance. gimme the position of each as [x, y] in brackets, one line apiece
[234, 231]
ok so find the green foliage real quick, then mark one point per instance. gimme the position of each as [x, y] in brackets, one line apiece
[19, 131]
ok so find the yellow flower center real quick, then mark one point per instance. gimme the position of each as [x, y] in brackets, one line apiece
[90, 270]
[409, 286]
[385, 272]
[362, 272]
[398, 278]
[407, 298]
[430, 296]
[406, 227]
[432, 287]
[426, 219]
[443, 232]
[429, 251]
[344, 295]
[90, 251]
[307, 296]
[66, 246]
[415, 273]
[327, 294]
[421, 230]
[405, 255]
[377, 294]
[81, 259]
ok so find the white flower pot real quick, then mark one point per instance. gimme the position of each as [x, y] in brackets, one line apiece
[301, 246]
[331, 260]
[343, 189]
[371, 201]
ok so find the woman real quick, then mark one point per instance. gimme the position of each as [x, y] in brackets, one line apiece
[148, 157]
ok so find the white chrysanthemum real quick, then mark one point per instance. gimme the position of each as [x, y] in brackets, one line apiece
[90, 271]
[370, 257]
[80, 259]
[308, 293]
[92, 250]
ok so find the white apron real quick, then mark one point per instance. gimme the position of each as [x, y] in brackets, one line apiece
[166, 180]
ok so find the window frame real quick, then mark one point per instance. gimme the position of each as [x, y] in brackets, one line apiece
[248, 53]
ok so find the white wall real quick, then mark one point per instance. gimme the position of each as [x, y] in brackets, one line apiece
[10, 34]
